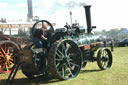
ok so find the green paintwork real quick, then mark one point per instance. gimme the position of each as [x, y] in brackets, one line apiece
[82, 29]
[87, 39]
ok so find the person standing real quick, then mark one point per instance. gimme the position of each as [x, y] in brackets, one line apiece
[104, 42]
[112, 45]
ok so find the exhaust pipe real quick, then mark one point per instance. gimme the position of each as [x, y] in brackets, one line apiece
[88, 18]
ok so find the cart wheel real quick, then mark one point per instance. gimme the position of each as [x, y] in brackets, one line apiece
[64, 59]
[104, 59]
[7, 51]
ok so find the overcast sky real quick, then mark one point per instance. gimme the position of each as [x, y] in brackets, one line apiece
[106, 14]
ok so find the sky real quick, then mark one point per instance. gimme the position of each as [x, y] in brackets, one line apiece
[105, 14]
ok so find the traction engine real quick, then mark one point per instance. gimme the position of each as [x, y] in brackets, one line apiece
[66, 51]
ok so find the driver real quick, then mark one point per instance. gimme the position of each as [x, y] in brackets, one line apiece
[39, 37]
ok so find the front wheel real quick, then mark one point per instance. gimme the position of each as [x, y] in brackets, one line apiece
[104, 58]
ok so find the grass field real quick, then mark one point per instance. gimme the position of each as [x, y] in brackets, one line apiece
[92, 75]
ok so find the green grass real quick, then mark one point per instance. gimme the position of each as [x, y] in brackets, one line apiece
[92, 75]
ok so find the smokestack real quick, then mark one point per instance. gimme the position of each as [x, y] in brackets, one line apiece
[88, 18]
[30, 11]
[71, 17]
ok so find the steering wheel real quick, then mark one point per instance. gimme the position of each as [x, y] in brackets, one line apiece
[42, 22]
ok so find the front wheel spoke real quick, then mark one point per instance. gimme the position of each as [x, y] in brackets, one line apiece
[104, 64]
[106, 58]
[102, 58]
[101, 62]
[102, 53]
[106, 54]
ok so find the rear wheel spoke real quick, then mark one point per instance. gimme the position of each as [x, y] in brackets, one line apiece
[60, 53]
[60, 66]
[63, 48]
[69, 69]
[74, 64]
[63, 73]
[60, 56]
[58, 59]
[57, 65]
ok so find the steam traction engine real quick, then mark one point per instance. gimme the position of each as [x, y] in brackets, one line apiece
[66, 51]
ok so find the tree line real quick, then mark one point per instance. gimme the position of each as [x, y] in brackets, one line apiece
[116, 34]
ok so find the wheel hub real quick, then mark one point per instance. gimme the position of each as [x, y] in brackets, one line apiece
[65, 59]
[104, 59]
[7, 58]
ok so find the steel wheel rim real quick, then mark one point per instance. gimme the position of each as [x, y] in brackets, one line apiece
[105, 59]
[7, 51]
[67, 60]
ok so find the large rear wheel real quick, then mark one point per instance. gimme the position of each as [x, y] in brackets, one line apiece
[64, 59]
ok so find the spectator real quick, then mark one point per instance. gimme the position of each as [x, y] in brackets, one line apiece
[104, 42]
[39, 37]
[112, 45]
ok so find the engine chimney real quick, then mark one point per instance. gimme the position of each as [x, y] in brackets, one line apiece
[30, 11]
[88, 18]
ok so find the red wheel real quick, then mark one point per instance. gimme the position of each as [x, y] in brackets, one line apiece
[7, 51]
